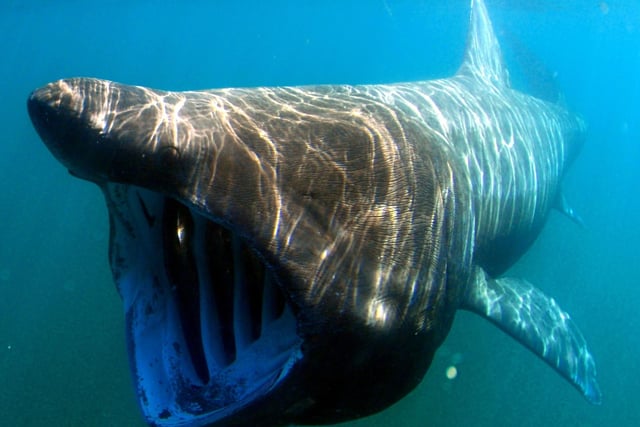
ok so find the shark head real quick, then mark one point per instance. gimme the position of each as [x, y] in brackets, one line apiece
[267, 278]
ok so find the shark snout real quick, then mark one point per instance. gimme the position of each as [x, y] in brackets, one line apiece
[57, 104]
[80, 122]
[44, 110]
[57, 113]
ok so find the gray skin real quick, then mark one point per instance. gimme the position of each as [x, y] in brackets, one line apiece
[377, 211]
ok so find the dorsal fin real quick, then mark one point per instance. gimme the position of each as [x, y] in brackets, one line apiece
[483, 58]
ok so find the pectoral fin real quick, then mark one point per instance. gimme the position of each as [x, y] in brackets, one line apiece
[537, 322]
[565, 208]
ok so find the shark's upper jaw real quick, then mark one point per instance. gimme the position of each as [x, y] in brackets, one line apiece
[209, 331]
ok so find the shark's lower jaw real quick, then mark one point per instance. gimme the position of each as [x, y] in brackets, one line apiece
[209, 331]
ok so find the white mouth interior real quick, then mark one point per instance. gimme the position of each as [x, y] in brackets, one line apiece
[209, 330]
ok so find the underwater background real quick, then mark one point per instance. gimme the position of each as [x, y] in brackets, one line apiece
[63, 360]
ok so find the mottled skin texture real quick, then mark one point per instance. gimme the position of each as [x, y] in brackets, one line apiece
[379, 210]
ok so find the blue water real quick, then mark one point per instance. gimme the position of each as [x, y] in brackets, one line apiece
[62, 353]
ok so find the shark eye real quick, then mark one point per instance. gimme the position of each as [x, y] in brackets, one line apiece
[169, 162]
[169, 154]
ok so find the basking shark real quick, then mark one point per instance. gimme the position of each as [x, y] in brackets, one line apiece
[297, 254]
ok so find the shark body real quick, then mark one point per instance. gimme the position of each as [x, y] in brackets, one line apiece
[297, 254]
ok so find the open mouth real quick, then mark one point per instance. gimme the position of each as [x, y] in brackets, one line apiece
[209, 330]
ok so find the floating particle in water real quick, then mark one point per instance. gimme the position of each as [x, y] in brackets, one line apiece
[451, 372]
